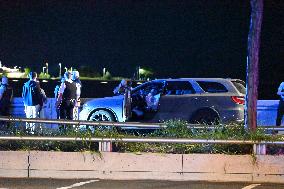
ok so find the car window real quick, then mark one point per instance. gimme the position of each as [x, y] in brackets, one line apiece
[144, 89]
[240, 86]
[212, 87]
[179, 88]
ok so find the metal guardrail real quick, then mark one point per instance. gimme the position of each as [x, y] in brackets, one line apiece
[105, 143]
[116, 124]
[145, 140]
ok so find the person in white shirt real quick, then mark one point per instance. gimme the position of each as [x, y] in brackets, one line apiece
[280, 111]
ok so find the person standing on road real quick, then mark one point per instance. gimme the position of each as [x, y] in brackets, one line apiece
[6, 95]
[280, 111]
[66, 97]
[32, 100]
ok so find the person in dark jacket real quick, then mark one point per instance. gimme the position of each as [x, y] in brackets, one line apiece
[6, 95]
[32, 100]
[67, 97]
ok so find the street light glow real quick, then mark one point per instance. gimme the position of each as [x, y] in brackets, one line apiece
[43, 68]
[59, 69]
[46, 67]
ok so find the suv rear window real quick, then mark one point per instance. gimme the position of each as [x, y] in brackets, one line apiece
[212, 87]
[240, 86]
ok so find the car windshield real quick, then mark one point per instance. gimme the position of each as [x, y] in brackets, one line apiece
[145, 88]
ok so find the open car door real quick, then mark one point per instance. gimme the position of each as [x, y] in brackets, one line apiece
[127, 105]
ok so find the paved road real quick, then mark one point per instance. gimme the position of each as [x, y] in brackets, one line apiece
[110, 184]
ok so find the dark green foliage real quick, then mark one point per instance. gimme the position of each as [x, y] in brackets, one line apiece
[175, 129]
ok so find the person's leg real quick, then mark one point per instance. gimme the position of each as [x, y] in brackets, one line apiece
[62, 110]
[34, 114]
[69, 111]
[29, 114]
[6, 112]
[37, 110]
[2, 123]
[280, 112]
[62, 113]
[57, 113]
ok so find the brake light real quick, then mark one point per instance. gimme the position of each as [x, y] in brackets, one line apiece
[238, 99]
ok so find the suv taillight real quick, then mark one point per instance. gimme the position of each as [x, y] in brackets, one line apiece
[238, 99]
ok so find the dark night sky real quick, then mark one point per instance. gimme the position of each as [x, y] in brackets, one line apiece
[182, 38]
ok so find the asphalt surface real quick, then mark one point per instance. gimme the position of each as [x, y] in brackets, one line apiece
[13, 183]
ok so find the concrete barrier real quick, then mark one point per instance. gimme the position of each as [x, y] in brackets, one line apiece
[14, 164]
[117, 166]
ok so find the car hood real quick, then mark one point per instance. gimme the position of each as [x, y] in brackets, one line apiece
[106, 100]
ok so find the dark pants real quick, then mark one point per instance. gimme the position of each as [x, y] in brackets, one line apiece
[280, 112]
[66, 112]
[4, 111]
[66, 109]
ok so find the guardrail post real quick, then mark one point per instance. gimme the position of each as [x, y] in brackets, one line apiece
[105, 146]
[259, 149]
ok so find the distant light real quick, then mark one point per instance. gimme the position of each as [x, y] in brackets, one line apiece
[15, 80]
[139, 83]
[45, 81]
[104, 82]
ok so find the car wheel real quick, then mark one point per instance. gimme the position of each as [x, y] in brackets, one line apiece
[207, 117]
[101, 115]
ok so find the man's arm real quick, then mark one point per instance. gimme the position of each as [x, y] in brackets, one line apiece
[60, 94]
[1, 92]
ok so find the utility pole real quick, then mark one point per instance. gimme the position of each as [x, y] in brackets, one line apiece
[252, 76]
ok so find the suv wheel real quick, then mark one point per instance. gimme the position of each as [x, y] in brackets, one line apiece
[206, 116]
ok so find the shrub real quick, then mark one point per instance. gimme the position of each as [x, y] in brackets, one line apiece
[175, 129]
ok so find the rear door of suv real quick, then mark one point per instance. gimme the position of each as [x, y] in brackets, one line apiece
[178, 102]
